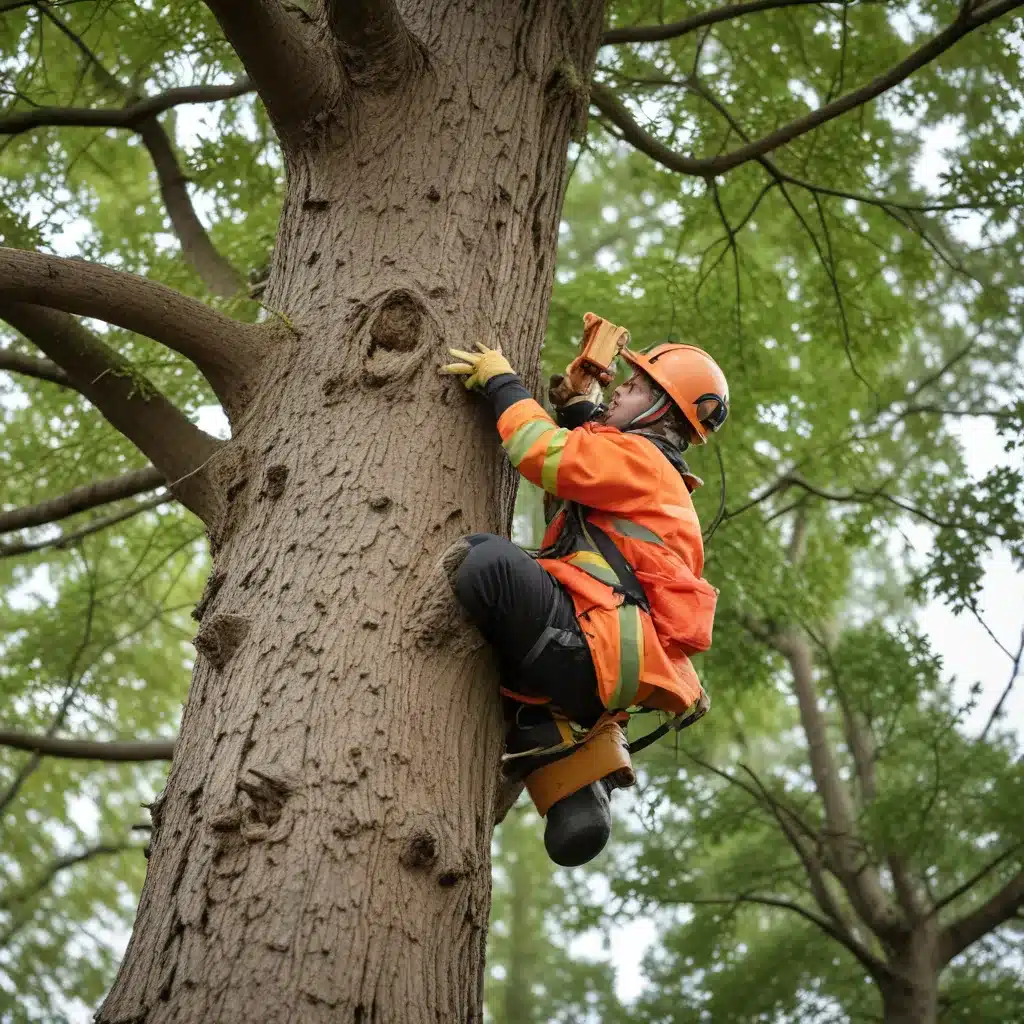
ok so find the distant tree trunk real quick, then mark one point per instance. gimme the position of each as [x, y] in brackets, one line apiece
[521, 944]
[321, 852]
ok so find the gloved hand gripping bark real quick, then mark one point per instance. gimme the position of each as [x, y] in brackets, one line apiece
[478, 367]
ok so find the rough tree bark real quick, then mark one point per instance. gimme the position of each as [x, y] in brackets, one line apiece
[910, 992]
[321, 851]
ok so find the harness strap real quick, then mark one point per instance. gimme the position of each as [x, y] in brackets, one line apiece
[547, 634]
[692, 714]
[570, 742]
[629, 586]
[652, 737]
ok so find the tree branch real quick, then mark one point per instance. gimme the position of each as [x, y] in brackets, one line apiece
[998, 909]
[902, 212]
[131, 117]
[68, 698]
[282, 50]
[178, 449]
[809, 858]
[141, 114]
[860, 496]
[67, 540]
[376, 49]
[616, 112]
[79, 499]
[196, 245]
[30, 366]
[971, 882]
[861, 744]
[62, 864]
[872, 964]
[856, 496]
[804, 841]
[998, 709]
[858, 876]
[222, 348]
[89, 750]
[609, 104]
[762, 796]
[674, 29]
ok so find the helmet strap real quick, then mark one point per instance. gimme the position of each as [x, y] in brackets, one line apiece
[652, 414]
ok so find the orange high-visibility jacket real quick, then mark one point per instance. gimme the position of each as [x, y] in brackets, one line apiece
[637, 497]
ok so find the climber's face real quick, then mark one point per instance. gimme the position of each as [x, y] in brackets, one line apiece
[629, 400]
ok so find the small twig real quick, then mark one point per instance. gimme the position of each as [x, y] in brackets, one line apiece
[716, 522]
[70, 693]
[998, 709]
[988, 630]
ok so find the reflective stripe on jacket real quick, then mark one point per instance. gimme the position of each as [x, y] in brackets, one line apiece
[637, 497]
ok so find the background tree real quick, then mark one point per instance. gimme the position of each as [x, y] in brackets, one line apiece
[422, 206]
[534, 974]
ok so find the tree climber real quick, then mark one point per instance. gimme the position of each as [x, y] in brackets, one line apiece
[606, 615]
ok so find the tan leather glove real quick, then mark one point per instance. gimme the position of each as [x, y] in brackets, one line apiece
[478, 367]
[561, 392]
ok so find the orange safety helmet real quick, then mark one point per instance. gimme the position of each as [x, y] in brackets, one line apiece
[691, 378]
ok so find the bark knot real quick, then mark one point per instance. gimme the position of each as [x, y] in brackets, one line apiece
[420, 850]
[232, 475]
[436, 618]
[213, 584]
[219, 638]
[257, 813]
[274, 482]
[398, 323]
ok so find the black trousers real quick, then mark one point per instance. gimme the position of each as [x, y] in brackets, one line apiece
[528, 618]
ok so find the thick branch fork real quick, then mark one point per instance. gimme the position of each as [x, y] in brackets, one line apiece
[286, 59]
[375, 47]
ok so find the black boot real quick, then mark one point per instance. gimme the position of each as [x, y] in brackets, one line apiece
[578, 827]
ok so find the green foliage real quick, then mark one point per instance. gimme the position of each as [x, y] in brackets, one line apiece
[96, 641]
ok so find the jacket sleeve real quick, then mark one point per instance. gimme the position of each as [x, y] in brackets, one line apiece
[604, 469]
[577, 414]
[506, 389]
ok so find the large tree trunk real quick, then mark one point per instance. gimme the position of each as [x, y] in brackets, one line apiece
[321, 852]
[910, 995]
